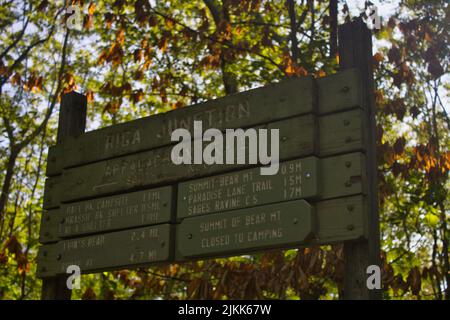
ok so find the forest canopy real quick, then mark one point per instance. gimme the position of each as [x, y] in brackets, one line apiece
[138, 58]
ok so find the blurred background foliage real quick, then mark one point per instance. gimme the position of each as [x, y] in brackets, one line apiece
[138, 58]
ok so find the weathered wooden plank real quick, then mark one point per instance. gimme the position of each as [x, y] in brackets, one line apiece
[277, 101]
[334, 221]
[341, 219]
[339, 91]
[342, 175]
[141, 208]
[108, 251]
[49, 226]
[155, 167]
[341, 132]
[243, 231]
[305, 178]
[296, 179]
[52, 192]
[55, 160]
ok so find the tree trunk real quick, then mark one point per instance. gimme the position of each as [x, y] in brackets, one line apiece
[7, 186]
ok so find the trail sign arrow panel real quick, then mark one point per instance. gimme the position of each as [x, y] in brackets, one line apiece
[122, 211]
[295, 179]
[284, 225]
[106, 251]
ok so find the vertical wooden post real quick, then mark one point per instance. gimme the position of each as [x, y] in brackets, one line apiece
[355, 51]
[72, 122]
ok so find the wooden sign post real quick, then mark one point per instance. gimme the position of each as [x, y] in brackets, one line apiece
[355, 51]
[114, 198]
[72, 122]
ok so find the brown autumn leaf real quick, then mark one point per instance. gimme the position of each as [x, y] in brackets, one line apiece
[88, 21]
[109, 294]
[147, 64]
[3, 258]
[168, 23]
[414, 111]
[392, 23]
[397, 283]
[118, 4]
[163, 94]
[3, 70]
[23, 265]
[126, 87]
[414, 280]
[91, 8]
[141, 8]
[89, 96]
[138, 55]
[16, 79]
[109, 18]
[394, 55]
[302, 280]
[43, 5]
[89, 294]
[138, 95]
[398, 168]
[177, 105]
[138, 75]
[120, 36]
[321, 74]
[435, 69]
[152, 20]
[163, 43]
[13, 245]
[377, 58]
[398, 108]
[399, 146]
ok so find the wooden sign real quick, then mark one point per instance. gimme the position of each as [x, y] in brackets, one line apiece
[135, 209]
[115, 199]
[284, 225]
[107, 250]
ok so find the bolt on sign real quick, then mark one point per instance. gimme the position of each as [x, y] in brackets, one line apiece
[114, 199]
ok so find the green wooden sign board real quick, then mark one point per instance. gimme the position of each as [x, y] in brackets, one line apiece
[307, 178]
[240, 231]
[247, 188]
[135, 209]
[108, 250]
